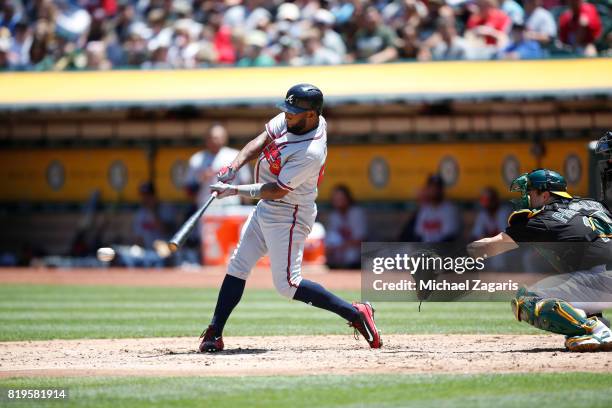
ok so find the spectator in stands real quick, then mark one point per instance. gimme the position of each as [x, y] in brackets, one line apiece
[437, 220]
[239, 43]
[444, 44]
[344, 10]
[289, 53]
[345, 230]
[125, 17]
[177, 9]
[255, 55]
[184, 47]
[222, 38]
[540, 23]
[520, 46]
[349, 20]
[489, 23]
[408, 232]
[206, 55]
[408, 44]
[40, 58]
[580, 27]
[19, 56]
[375, 42]
[324, 21]
[307, 8]
[159, 55]
[96, 56]
[398, 14]
[492, 218]
[66, 54]
[287, 22]
[608, 52]
[244, 14]
[135, 50]
[153, 220]
[204, 166]
[187, 34]
[41, 10]
[159, 34]
[436, 9]
[5, 47]
[9, 17]
[99, 26]
[72, 21]
[315, 53]
[514, 11]
[289, 12]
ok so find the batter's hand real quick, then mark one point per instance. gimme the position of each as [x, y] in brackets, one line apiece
[223, 190]
[226, 174]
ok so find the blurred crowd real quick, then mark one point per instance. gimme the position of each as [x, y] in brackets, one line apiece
[105, 34]
[434, 220]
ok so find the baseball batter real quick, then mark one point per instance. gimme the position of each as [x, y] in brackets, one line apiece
[290, 155]
[570, 303]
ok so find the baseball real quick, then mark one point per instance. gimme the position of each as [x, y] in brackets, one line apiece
[105, 254]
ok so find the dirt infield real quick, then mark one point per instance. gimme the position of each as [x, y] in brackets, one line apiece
[297, 355]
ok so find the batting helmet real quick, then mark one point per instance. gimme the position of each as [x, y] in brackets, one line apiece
[301, 98]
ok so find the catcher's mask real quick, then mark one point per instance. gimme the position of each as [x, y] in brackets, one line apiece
[540, 180]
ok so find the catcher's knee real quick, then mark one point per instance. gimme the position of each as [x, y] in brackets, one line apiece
[550, 314]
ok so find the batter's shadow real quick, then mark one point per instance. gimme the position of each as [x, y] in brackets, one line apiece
[238, 351]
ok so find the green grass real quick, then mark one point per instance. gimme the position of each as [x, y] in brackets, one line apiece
[499, 390]
[38, 312]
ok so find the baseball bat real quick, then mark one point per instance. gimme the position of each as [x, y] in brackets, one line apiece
[181, 235]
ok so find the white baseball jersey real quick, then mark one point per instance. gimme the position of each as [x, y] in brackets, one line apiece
[294, 162]
[280, 227]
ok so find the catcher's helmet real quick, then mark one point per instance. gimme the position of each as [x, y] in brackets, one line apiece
[547, 180]
[541, 180]
[301, 98]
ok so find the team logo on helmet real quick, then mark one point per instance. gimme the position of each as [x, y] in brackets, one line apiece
[290, 99]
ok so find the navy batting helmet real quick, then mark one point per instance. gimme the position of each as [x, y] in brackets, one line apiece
[301, 98]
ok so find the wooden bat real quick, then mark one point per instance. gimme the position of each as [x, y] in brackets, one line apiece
[181, 235]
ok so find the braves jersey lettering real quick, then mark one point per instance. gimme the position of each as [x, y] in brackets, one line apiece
[272, 156]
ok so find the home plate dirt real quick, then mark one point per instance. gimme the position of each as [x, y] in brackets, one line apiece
[295, 355]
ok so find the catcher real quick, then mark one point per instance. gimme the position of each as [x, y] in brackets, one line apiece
[570, 303]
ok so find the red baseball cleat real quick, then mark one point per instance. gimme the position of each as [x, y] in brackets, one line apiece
[211, 343]
[366, 326]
